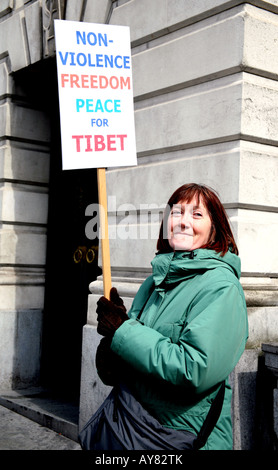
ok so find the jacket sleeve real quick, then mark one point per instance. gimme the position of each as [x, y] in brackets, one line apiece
[211, 342]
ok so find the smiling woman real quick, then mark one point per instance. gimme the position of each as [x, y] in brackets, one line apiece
[193, 320]
[200, 208]
[189, 226]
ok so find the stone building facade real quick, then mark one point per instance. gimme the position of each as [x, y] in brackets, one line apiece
[205, 79]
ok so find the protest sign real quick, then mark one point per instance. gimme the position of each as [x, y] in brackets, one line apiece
[96, 106]
[95, 95]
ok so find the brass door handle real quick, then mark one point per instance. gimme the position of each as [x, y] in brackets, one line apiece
[82, 252]
[79, 254]
[90, 255]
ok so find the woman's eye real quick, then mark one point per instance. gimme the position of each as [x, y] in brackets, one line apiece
[176, 212]
[197, 214]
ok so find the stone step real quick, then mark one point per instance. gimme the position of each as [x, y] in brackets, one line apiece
[41, 406]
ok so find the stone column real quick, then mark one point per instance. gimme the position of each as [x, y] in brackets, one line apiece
[24, 169]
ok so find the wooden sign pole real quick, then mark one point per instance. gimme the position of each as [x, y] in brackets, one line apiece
[105, 252]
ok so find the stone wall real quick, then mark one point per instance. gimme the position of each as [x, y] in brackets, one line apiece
[204, 91]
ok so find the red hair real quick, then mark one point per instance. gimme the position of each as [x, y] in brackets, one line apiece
[221, 237]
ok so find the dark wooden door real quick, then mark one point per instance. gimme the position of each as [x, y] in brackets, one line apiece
[72, 262]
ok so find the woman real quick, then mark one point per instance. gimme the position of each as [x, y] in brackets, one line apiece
[193, 325]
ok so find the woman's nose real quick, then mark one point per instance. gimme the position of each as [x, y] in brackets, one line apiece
[186, 220]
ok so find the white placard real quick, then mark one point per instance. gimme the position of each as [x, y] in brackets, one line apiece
[95, 95]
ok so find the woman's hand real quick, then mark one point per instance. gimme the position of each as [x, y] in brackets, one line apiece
[107, 363]
[111, 313]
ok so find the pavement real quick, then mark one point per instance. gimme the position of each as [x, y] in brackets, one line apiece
[33, 420]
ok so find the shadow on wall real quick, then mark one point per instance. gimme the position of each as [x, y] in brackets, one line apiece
[255, 427]
[265, 437]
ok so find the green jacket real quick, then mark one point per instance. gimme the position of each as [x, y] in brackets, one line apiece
[189, 338]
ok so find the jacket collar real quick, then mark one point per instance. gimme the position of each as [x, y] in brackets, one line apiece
[181, 265]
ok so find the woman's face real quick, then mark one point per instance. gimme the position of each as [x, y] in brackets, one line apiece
[189, 226]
